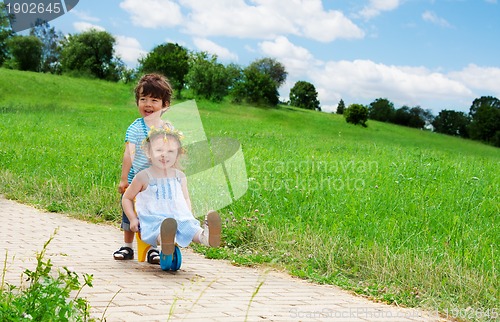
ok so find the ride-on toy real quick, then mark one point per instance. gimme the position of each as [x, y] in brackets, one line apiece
[168, 263]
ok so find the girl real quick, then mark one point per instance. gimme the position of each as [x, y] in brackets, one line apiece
[162, 200]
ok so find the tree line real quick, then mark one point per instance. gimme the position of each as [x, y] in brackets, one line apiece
[482, 123]
[92, 54]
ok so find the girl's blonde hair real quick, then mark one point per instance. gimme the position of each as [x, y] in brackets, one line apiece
[167, 133]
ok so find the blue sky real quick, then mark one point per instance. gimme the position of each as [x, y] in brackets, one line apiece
[437, 54]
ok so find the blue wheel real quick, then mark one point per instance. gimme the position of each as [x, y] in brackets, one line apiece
[166, 261]
[177, 259]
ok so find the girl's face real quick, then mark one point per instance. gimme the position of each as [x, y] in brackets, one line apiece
[164, 151]
[148, 105]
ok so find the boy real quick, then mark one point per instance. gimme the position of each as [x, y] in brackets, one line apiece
[152, 95]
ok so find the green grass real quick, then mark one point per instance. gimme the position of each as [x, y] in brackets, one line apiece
[62, 141]
[402, 215]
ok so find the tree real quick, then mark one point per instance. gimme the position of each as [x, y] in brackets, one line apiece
[271, 67]
[5, 33]
[207, 78]
[256, 87]
[128, 75]
[91, 53]
[402, 116]
[381, 110]
[485, 123]
[451, 123]
[25, 52]
[234, 74]
[304, 95]
[51, 50]
[483, 101]
[259, 82]
[170, 60]
[417, 118]
[356, 114]
[341, 107]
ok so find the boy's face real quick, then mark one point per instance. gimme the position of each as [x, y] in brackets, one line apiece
[164, 152]
[148, 105]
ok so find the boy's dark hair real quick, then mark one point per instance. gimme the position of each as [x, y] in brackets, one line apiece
[154, 85]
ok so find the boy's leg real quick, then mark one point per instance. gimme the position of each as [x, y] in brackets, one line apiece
[126, 251]
[128, 236]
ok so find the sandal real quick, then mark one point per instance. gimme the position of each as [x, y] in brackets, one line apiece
[124, 253]
[167, 232]
[214, 224]
[153, 256]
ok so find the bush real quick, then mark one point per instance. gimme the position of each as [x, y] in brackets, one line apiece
[47, 298]
[26, 53]
[304, 95]
[356, 114]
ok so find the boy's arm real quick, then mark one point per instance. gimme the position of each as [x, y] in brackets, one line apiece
[126, 166]
[138, 184]
[185, 191]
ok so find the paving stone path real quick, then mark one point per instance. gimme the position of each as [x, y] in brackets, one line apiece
[202, 290]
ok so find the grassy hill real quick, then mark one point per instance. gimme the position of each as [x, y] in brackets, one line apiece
[399, 214]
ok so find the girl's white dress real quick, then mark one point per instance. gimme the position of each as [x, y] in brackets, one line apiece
[163, 198]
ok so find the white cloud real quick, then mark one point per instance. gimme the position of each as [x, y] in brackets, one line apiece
[328, 26]
[235, 19]
[213, 48]
[153, 13]
[485, 80]
[84, 15]
[375, 7]
[129, 49]
[276, 23]
[85, 26]
[297, 60]
[310, 20]
[362, 81]
[249, 48]
[328, 100]
[267, 19]
[431, 17]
